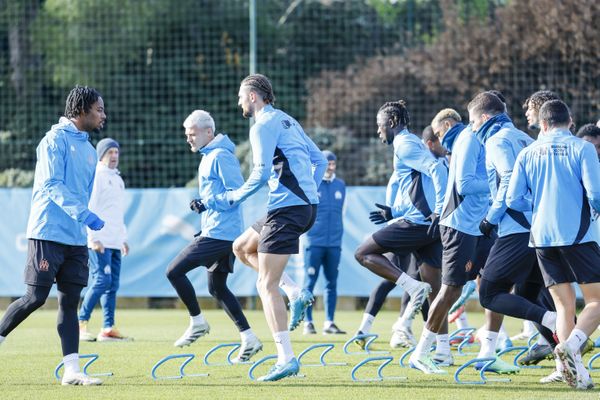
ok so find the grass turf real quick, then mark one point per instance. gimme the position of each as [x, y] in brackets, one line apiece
[29, 355]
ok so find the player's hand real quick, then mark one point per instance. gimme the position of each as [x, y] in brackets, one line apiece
[94, 222]
[197, 206]
[486, 228]
[382, 215]
[97, 246]
[125, 249]
[434, 229]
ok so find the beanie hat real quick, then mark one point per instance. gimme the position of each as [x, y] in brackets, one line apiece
[329, 155]
[104, 145]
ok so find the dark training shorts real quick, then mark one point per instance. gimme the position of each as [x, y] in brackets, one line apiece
[404, 237]
[461, 252]
[214, 254]
[49, 262]
[281, 228]
[576, 263]
[511, 260]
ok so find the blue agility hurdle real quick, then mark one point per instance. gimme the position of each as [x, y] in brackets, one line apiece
[386, 360]
[234, 347]
[92, 357]
[369, 339]
[182, 374]
[322, 363]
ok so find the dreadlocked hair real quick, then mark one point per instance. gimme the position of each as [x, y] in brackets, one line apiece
[80, 101]
[261, 85]
[396, 112]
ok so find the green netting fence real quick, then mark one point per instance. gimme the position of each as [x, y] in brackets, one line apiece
[332, 63]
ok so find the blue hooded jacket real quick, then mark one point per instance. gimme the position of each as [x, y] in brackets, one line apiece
[503, 142]
[218, 172]
[467, 195]
[62, 186]
[328, 228]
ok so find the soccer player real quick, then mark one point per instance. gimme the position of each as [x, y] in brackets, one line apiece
[567, 249]
[57, 248]
[218, 172]
[294, 166]
[510, 260]
[107, 245]
[323, 248]
[590, 133]
[464, 248]
[415, 194]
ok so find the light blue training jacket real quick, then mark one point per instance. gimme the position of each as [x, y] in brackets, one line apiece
[416, 188]
[218, 172]
[283, 155]
[562, 174]
[501, 153]
[467, 193]
[62, 185]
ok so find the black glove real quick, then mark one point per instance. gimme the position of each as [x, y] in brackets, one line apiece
[487, 228]
[434, 229]
[197, 206]
[381, 216]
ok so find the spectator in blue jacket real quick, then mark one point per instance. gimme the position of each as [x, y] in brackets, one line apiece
[323, 245]
[56, 231]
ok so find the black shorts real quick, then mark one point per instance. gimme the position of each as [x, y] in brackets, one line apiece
[404, 237]
[576, 263]
[281, 228]
[463, 255]
[511, 260]
[214, 254]
[49, 262]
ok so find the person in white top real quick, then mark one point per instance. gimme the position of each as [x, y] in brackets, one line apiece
[106, 246]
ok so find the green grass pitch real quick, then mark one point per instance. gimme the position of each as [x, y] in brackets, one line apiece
[29, 355]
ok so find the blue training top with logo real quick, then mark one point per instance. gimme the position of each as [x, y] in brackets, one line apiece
[418, 182]
[467, 194]
[562, 174]
[62, 185]
[283, 155]
[501, 153]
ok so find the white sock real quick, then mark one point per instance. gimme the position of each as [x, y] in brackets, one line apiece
[529, 328]
[367, 322]
[246, 335]
[575, 340]
[559, 366]
[488, 341]
[284, 347]
[424, 345]
[71, 362]
[405, 323]
[442, 344]
[197, 320]
[549, 320]
[461, 321]
[290, 288]
[502, 334]
[407, 283]
[542, 341]
[327, 324]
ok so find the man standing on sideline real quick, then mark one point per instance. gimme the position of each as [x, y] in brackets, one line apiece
[218, 172]
[107, 245]
[57, 248]
[287, 158]
[324, 245]
[567, 249]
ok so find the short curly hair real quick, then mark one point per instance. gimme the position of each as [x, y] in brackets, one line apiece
[537, 100]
